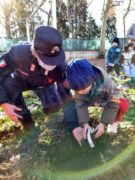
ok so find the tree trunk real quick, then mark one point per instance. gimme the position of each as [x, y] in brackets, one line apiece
[102, 37]
[7, 9]
[124, 18]
[103, 27]
[49, 18]
[124, 26]
[54, 14]
[7, 27]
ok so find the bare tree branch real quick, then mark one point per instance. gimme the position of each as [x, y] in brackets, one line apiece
[128, 8]
[116, 3]
[39, 7]
[107, 6]
[34, 12]
[2, 16]
[132, 9]
[90, 3]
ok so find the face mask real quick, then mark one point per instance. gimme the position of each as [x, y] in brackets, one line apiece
[45, 66]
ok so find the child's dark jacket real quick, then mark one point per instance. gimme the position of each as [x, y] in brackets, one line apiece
[113, 55]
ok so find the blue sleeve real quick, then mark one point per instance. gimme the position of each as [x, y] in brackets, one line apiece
[6, 67]
[62, 71]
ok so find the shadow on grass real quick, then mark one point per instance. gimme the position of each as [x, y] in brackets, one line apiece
[56, 152]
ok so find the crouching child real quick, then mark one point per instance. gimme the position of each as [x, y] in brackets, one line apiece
[112, 58]
[93, 87]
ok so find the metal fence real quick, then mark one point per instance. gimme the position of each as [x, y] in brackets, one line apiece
[68, 44]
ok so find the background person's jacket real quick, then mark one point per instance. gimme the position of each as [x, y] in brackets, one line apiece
[113, 55]
[20, 61]
[102, 93]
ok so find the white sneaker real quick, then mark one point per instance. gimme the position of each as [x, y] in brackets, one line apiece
[113, 128]
[109, 128]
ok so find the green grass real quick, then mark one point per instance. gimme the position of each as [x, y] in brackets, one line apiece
[52, 153]
[5, 123]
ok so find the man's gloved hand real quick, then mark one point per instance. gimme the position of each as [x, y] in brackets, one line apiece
[10, 109]
[100, 129]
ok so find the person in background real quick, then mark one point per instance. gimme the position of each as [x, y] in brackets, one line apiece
[131, 34]
[112, 58]
[128, 61]
[93, 87]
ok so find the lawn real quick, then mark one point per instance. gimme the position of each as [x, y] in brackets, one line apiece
[49, 151]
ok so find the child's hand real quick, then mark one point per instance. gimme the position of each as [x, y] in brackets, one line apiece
[100, 130]
[78, 135]
[86, 126]
[115, 99]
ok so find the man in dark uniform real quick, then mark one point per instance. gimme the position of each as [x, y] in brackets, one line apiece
[38, 67]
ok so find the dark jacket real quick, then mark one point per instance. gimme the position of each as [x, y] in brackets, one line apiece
[20, 61]
[102, 92]
[113, 55]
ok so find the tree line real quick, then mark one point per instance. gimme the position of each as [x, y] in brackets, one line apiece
[73, 18]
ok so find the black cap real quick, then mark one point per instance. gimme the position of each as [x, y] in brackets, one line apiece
[116, 40]
[48, 45]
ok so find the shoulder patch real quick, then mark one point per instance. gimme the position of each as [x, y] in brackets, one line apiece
[2, 63]
[32, 67]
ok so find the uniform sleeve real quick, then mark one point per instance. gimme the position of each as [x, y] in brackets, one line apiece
[63, 91]
[6, 68]
[62, 72]
[63, 66]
